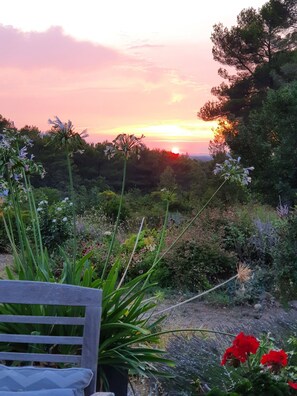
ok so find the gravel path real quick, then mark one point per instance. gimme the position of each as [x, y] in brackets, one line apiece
[264, 318]
[201, 314]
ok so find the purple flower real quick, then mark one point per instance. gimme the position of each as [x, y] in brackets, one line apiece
[23, 152]
[4, 193]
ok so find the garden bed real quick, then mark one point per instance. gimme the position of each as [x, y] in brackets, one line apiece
[267, 317]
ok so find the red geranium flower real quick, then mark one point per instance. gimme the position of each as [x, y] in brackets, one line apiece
[275, 360]
[246, 343]
[292, 384]
[231, 356]
[242, 347]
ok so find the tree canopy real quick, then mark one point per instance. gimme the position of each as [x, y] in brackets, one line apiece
[262, 50]
[256, 102]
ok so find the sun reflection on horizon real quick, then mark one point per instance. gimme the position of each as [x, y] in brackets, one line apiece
[179, 137]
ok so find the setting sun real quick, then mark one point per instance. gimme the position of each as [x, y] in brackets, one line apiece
[175, 150]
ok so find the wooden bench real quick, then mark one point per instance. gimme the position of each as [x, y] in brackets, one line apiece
[53, 294]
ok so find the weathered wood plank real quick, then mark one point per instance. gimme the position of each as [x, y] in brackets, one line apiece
[40, 357]
[56, 320]
[38, 339]
[91, 341]
[28, 292]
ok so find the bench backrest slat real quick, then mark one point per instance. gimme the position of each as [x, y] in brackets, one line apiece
[27, 292]
[37, 339]
[40, 357]
[62, 320]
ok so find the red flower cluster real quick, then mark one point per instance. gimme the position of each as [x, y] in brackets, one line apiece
[242, 347]
[275, 360]
[292, 385]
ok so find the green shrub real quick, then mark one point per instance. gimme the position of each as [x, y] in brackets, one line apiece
[109, 204]
[147, 240]
[285, 259]
[218, 299]
[250, 231]
[51, 195]
[260, 384]
[194, 266]
[55, 223]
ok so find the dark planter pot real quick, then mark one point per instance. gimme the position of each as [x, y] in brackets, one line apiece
[117, 380]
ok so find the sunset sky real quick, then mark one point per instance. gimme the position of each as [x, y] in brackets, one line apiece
[113, 66]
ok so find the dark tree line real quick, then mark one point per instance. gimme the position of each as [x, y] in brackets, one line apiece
[93, 170]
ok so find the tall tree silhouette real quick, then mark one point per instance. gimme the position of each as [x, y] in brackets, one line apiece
[261, 49]
[261, 52]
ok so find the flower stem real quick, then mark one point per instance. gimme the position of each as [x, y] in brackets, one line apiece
[33, 214]
[72, 195]
[117, 219]
[163, 233]
[249, 364]
[35, 221]
[195, 297]
[132, 254]
[147, 337]
[188, 225]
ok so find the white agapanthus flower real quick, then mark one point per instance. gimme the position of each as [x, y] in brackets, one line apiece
[232, 170]
[126, 145]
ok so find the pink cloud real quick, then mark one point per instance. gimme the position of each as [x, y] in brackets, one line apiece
[99, 88]
[53, 49]
[193, 62]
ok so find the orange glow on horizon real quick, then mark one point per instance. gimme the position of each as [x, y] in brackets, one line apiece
[184, 137]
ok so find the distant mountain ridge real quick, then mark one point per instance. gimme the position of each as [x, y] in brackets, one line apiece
[202, 157]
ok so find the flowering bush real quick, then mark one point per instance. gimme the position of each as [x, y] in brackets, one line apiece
[262, 374]
[55, 222]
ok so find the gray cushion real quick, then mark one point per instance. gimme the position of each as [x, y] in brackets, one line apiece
[29, 378]
[48, 392]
